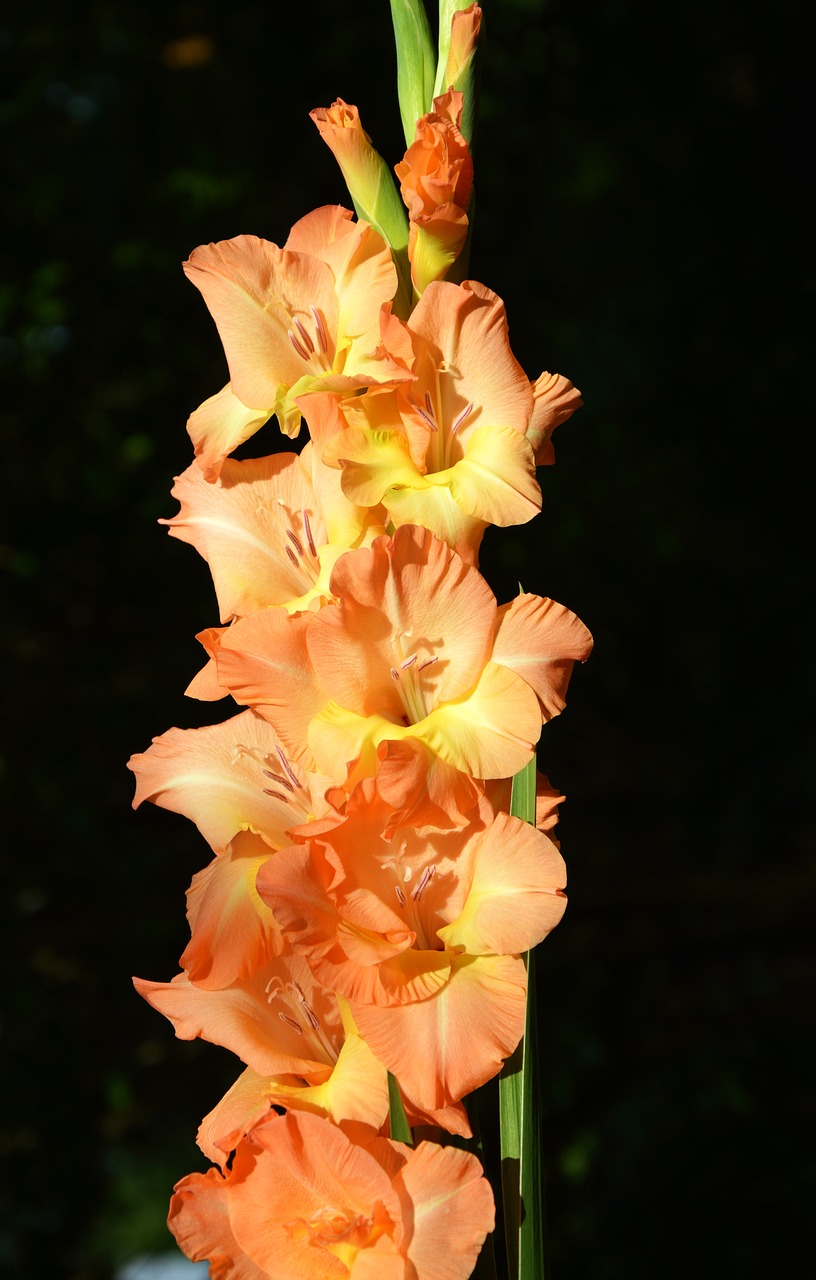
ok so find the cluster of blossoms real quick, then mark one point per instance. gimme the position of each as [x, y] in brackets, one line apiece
[370, 896]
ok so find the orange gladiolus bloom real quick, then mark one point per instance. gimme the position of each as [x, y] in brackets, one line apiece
[297, 1038]
[414, 648]
[436, 180]
[303, 1202]
[422, 933]
[449, 452]
[272, 528]
[311, 316]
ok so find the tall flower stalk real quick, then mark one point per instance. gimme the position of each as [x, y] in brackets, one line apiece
[383, 852]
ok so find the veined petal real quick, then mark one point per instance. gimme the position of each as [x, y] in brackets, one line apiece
[372, 462]
[219, 425]
[554, 400]
[434, 508]
[453, 1203]
[495, 480]
[516, 894]
[232, 928]
[540, 640]
[199, 1219]
[492, 732]
[263, 661]
[445, 1047]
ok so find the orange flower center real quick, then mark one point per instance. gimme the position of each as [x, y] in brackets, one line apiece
[341, 1234]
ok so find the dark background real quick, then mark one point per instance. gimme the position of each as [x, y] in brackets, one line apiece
[640, 183]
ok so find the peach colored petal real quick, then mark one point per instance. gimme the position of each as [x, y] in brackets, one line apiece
[371, 463]
[516, 892]
[232, 928]
[495, 480]
[554, 400]
[199, 1220]
[452, 1201]
[541, 640]
[204, 685]
[445, 1047]
[436, 509]
[258, 527]
[421, 789]
[219, 777]
[364, 274]
[263, 661]
[492, 732]
[348, 524]
[218, 426]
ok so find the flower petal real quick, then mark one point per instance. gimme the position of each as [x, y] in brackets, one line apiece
[541, 640]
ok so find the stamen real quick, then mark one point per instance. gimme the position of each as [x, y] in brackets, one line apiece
[290, 1022]
[293, 778]
[295, 540]
[427, 874]
[299, 348]
[278, 795]
[312, 1016]
[466, 412]
[409, 663]
[395, 675]
[320, 326]
[429, 406]
[401, 899]
[284, 782]
[424, 415]
[292, 556]
[428, 662]
[304, 333]
[308, 529]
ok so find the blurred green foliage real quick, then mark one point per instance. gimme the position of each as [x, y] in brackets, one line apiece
[639, 181]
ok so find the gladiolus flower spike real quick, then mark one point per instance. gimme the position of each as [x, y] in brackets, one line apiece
[382, 861]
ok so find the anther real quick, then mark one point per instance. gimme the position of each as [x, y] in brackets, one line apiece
[290, 1022]
[401, 899]
[304, 334]
[284, 782]
[295, 540]
[314, 1021]
[426, 417]
[428, 662]
[395, 675]
[466, 412]
[427, 874]
[292, 556]
[409, 662]
[278, 795]
[299, 348]
[293, 778]
[308, 529]
[320, 327]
